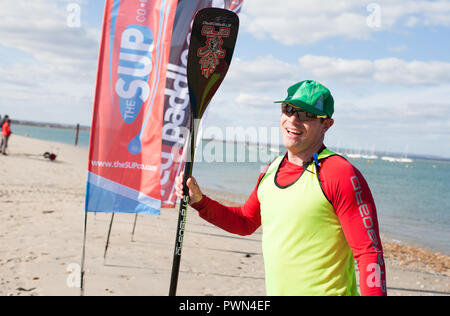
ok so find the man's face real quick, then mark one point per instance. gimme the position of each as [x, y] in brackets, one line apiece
[300, 136]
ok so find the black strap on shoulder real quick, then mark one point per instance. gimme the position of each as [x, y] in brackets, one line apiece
[268, 167]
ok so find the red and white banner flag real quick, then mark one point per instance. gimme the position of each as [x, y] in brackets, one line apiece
[141, 104]
[125, 147]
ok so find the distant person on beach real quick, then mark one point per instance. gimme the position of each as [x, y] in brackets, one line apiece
[3, 121]
[6, 132]
[315, 208]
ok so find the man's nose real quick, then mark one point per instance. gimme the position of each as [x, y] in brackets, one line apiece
[294, 118]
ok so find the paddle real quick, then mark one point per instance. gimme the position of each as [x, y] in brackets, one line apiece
[213, 38]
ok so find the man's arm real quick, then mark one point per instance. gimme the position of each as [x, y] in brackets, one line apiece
[243, 220]
[349, 193]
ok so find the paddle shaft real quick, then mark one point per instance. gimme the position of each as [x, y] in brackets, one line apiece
[213, 38]
[182, 219]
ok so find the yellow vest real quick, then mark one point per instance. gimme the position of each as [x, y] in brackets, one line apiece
[304, 247]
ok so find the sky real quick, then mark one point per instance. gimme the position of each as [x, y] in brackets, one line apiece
[386, 62]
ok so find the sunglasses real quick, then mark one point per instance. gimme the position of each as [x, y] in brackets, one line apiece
[290, 110]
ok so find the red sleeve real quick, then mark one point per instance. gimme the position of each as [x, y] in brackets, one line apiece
[349, 193]
[243, 220]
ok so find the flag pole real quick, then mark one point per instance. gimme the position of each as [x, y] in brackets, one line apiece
[134, 227]
[107, 238]
[83, 255]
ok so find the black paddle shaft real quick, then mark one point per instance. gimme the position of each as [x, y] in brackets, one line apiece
[213, 38]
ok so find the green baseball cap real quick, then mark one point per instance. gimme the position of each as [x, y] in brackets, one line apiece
[310, 96]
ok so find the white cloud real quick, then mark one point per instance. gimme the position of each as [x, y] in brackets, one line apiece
[39, 27]
[396, 118]
[58, 77]
[386, 71]
[257, 83]
[385, 101]
[337, 68]
[258, 74]
[246, 99]
[397, 71]
[293, 22]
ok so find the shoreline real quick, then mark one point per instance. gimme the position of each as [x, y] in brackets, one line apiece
[41, 229]
[85, 128]
[51, 125]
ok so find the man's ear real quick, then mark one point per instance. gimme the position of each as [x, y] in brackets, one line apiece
[327, 124]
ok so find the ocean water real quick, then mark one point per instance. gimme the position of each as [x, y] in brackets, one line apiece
[60, 135]
[412, 199]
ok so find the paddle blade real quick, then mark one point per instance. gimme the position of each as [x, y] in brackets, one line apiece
[213, 39]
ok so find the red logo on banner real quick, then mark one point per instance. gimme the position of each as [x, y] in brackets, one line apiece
[212, 52]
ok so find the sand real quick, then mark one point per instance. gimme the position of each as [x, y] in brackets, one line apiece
[41, 220]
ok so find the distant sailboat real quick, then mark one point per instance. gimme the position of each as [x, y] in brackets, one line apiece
[404, 159]
[370, 156]
[354, 154]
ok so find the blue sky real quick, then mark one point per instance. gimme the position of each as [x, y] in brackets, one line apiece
[388, 68]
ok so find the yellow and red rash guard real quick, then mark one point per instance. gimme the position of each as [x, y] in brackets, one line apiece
[349, 195]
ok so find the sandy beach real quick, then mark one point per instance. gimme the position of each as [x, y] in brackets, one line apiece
[41, 218]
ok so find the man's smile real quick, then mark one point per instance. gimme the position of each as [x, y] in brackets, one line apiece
[293, 132]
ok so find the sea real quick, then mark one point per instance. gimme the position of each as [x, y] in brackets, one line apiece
[59, 135]
[412, 198]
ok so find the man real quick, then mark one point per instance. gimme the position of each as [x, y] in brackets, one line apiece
[315, 208]
[6, 132]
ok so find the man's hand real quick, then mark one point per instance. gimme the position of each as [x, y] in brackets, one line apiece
[195, 194]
